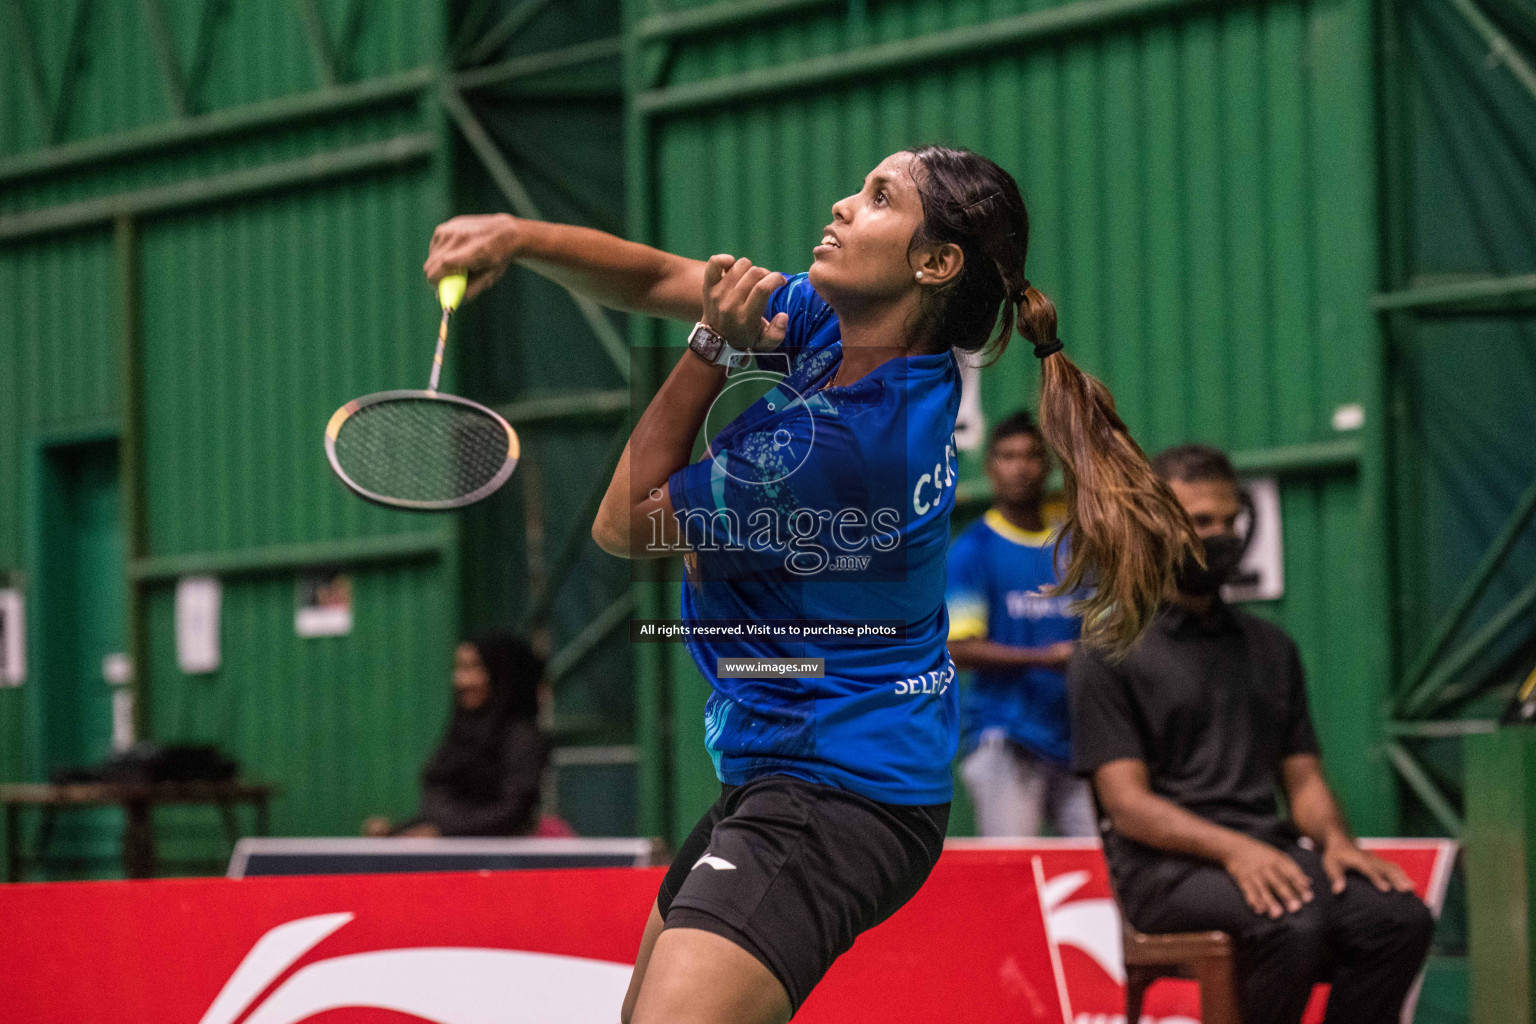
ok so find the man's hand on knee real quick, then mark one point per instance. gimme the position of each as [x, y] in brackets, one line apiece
[1343, 856]
[1271, 882]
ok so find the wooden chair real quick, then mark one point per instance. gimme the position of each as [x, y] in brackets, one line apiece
[1205, 957]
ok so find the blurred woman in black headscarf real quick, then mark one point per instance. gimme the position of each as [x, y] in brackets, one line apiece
[483, 779]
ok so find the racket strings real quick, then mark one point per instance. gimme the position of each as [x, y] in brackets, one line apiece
[421, 449]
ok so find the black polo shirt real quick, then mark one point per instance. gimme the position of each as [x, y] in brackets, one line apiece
[1212, 706]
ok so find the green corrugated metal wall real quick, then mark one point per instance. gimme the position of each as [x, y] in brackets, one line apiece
[58, 364]
[1466, 377]
[1201, 185]
[1463, 163]
[282, 166]
[256, 315]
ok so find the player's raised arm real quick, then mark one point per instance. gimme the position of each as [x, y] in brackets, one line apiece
[617, 273]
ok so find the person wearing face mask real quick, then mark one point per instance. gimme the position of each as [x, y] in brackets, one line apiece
[1186, 741]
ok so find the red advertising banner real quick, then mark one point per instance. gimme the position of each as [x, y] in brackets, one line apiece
[1020, 933]
[1082, 924]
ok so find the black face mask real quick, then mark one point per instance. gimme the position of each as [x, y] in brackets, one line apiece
[1222, 555]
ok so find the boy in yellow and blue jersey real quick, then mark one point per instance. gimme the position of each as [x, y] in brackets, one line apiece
[1016, 639]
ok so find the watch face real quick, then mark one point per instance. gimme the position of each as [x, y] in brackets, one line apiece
[706, 342]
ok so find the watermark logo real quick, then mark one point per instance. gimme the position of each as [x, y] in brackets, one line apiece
[776, 441]
[808, 541]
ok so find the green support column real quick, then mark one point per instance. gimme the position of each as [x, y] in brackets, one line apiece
[130, 357]
[1501, 869]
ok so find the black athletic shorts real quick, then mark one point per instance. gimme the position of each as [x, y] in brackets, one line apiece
[792, 872]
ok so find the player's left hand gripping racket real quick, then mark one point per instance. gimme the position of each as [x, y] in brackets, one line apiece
[422, 450]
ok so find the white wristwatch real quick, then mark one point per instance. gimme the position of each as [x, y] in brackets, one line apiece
[712, 347]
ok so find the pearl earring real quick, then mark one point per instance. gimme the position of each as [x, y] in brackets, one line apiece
[919, 275]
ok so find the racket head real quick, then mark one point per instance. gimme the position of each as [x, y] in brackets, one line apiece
[420, 450]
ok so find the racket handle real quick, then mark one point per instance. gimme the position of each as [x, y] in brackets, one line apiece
[450, 291]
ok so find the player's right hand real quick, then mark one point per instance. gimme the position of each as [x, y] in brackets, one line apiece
[480, 245]
[735, 296]
[1272, 883]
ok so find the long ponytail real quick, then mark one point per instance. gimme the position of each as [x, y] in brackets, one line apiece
[1127, 532]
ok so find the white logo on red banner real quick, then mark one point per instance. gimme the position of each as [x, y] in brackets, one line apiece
[442, 985]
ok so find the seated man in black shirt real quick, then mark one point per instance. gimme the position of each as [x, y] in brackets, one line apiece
[1185, 741]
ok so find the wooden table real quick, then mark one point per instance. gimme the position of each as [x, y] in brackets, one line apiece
[137, 799]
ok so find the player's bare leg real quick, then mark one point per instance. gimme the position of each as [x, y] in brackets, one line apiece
[697, 977]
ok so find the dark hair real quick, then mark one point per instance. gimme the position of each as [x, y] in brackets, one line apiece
[1194, 463]
[1125, 529]
[515, 671]
[468, 755]
[1013, 425]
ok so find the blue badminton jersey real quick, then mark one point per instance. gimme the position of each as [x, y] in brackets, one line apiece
[816, 506]
[997, 573]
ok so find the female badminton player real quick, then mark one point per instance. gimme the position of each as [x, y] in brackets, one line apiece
[828, 501]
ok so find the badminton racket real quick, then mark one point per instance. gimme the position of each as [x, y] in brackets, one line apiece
[422, 450]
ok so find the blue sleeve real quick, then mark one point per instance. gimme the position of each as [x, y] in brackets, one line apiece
[967, 593]
[808, 314]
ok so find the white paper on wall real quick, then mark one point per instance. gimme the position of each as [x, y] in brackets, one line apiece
[122, 719]
[198, 600]
[13, 639]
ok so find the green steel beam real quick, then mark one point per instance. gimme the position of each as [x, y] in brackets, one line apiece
[540, 63]
[1500, 871]
[576, 535]
[654, 731]
[1424, 787]
[966, 43]
[522, 204]
[1457, 293]
[130, 385]
[1341, 454]
[398, 547]
[588, 640]
[165, 57]
[1500, 49]
[319, 39]
[719, 17]
[1446, 685]
[566, 410]
[31, 69]
[371, 156]
[288, 111]
[1374, 650]
[502, 32]
[1452, 729]
[1395, 207]
[1471, 591]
